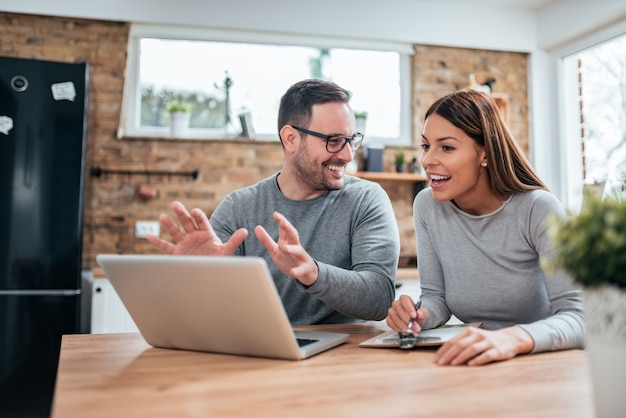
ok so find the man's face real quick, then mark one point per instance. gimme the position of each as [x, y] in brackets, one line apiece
[315, 167]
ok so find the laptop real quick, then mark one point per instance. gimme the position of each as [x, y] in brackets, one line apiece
[226, 305]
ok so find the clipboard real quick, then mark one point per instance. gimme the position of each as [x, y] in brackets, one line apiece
[427, 338]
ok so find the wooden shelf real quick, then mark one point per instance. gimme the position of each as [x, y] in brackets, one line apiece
[418, 180]
[387, 176]
[407, 274]
[502, 101]
[98, 272]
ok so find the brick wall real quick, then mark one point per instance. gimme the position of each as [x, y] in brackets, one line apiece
[438, 71]
[112, 204]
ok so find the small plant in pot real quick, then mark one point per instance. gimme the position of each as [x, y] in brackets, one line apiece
[178, 106]
[361, 119]
[592, 244]
[399, 160]
[179, 112]
[591, 247]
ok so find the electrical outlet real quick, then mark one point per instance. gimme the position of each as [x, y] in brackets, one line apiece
[143, 228]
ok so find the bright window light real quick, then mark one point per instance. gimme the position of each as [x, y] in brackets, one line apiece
[223, 80]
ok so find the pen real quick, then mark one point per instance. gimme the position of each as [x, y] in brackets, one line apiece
[408, 338]
[412, 320]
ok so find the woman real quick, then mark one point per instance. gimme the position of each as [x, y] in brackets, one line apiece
[481, 236]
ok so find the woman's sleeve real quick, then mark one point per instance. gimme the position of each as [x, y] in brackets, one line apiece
[565, 327]
[428, 264]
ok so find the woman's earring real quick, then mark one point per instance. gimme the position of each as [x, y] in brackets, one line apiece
[484, 164]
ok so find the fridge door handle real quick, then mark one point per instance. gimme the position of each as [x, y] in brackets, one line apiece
[59, 292]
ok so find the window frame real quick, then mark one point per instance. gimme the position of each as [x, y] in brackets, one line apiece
[128, 127]
[570, 179]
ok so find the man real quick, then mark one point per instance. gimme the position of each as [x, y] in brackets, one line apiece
[331, 242]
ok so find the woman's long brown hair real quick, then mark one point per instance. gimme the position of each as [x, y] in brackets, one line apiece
[477, 114]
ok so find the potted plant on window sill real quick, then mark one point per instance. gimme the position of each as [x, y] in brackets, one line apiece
[179, 112]
[399, 160]
[591, 247]
[361, 119]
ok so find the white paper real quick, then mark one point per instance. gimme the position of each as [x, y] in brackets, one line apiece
[6, 124]
[64, 91]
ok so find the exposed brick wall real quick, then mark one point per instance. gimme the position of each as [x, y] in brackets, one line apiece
[103, 45]
[112, 204]
[438, 71]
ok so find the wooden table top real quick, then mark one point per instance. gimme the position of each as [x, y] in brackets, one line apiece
[120, 375]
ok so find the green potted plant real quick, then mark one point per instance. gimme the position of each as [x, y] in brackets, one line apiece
[592, 244]
[361, 119]
[179, 112]
[399, 160]
[591, 247]
[178, 106]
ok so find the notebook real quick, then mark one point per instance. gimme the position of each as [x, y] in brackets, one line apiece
[226, 305]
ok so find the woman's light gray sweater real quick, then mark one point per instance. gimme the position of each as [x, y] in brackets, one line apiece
[487, 269]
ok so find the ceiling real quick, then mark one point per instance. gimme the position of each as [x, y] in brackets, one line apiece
[519, 4]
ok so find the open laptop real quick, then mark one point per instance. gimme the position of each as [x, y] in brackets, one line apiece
[214, 304]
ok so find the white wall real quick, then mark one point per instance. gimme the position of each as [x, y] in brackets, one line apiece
[564, 22]
[456, 23]
[483, 24]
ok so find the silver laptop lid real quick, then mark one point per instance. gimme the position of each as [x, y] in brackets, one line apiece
[215, 304]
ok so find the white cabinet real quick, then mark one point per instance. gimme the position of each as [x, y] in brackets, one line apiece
[108, 314]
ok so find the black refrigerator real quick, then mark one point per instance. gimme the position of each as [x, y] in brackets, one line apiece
[43, 126]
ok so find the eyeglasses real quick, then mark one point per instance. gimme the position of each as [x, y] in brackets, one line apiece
[335, 143]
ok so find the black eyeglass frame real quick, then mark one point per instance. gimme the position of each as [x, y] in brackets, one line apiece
[352, 140]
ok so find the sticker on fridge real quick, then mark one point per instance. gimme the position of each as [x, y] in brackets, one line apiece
[6, 124]
[64, 91]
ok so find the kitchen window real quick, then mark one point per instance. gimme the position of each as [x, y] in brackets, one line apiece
[595, 119]
[234, 81]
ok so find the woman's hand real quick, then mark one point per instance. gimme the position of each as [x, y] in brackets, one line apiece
[402, 311]
[476, 346]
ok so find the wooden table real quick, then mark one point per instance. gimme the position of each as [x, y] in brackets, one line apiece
[119, 375]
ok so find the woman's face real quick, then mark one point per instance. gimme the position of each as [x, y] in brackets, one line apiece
[452, 161]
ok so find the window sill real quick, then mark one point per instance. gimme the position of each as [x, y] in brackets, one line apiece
[232, 139]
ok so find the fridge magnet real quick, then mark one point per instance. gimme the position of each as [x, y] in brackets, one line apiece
[64, 91]
[6, 124]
